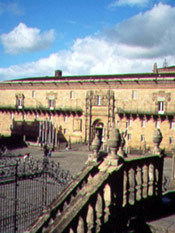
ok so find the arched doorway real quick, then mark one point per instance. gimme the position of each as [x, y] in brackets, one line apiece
[98, 127]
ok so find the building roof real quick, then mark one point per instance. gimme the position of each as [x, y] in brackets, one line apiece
[111, 77]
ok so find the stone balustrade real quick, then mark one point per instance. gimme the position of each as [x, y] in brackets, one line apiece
[142, 179]
[103, 191]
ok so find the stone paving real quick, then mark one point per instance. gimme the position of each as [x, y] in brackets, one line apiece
[74, 160]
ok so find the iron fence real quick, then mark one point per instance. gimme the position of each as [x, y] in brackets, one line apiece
[26, 188]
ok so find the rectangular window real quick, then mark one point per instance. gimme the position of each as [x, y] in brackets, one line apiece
[171, 140]
[172, 125]
[51, 104]
[65, 119]
[129, 137]
[161, 107]
[134, 95]
[158, 124]
[72, 94]
[98, 100]
[142, 138]
[143, 123]
[127, 124]
[33, 94]
[20, 103]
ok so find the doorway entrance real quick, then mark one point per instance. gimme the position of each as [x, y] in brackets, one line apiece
[98, 128]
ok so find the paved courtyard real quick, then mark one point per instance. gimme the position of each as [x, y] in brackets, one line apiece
[74, 159]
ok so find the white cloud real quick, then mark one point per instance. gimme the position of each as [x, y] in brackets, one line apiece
[129, 3]
[87, 56]
[24, 39]
[132, 46]
[146, 35]
[12, 8]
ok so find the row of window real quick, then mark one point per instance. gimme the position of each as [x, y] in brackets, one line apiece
[143, 124]
[72, 94]
[142, 138]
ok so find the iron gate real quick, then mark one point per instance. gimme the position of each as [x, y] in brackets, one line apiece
[26, 188]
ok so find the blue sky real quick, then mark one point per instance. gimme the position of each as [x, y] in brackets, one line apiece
[84, 37]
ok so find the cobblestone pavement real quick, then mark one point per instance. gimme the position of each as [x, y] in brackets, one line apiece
[72, 160]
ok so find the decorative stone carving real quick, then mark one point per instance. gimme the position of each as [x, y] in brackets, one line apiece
[114, 142]
[161, 94]
[95, 146]
[157, 138]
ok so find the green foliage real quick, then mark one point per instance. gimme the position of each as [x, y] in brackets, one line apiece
[65, 111]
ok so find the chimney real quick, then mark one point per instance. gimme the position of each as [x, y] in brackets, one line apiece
[155, 70]
[58, 73]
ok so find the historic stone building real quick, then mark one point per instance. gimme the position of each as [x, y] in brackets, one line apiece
[72, 108]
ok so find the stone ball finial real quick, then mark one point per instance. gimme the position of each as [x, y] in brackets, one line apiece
[157, 138]
[114, 141]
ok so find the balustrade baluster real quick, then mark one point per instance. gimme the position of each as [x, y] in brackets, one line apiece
[107, 201]
[156, 181]
[99, 212]
[80, 226]
[125, 188]
[58, 213]
[71, 230]
[131, 186]
[90, 219]
[150, 190]
[145, 181]
[50, 221]
[135, 184]
[139, 183]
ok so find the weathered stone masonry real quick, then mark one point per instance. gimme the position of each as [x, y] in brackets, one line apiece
[82, 105]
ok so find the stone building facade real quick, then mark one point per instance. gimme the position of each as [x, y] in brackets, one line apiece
[78, 106]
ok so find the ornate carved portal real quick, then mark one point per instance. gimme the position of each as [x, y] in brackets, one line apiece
[96, 99]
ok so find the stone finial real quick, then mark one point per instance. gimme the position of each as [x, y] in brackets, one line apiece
[114, 142]
[95, 146]
[157, 138]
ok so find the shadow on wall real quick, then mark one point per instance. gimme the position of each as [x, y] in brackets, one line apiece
[12, 142]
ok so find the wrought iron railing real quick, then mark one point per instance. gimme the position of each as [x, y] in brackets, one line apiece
[26, 188]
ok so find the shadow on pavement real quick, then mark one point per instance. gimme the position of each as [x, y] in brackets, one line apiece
[156, 211]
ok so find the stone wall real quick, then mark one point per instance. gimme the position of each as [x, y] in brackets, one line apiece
[136, 100]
